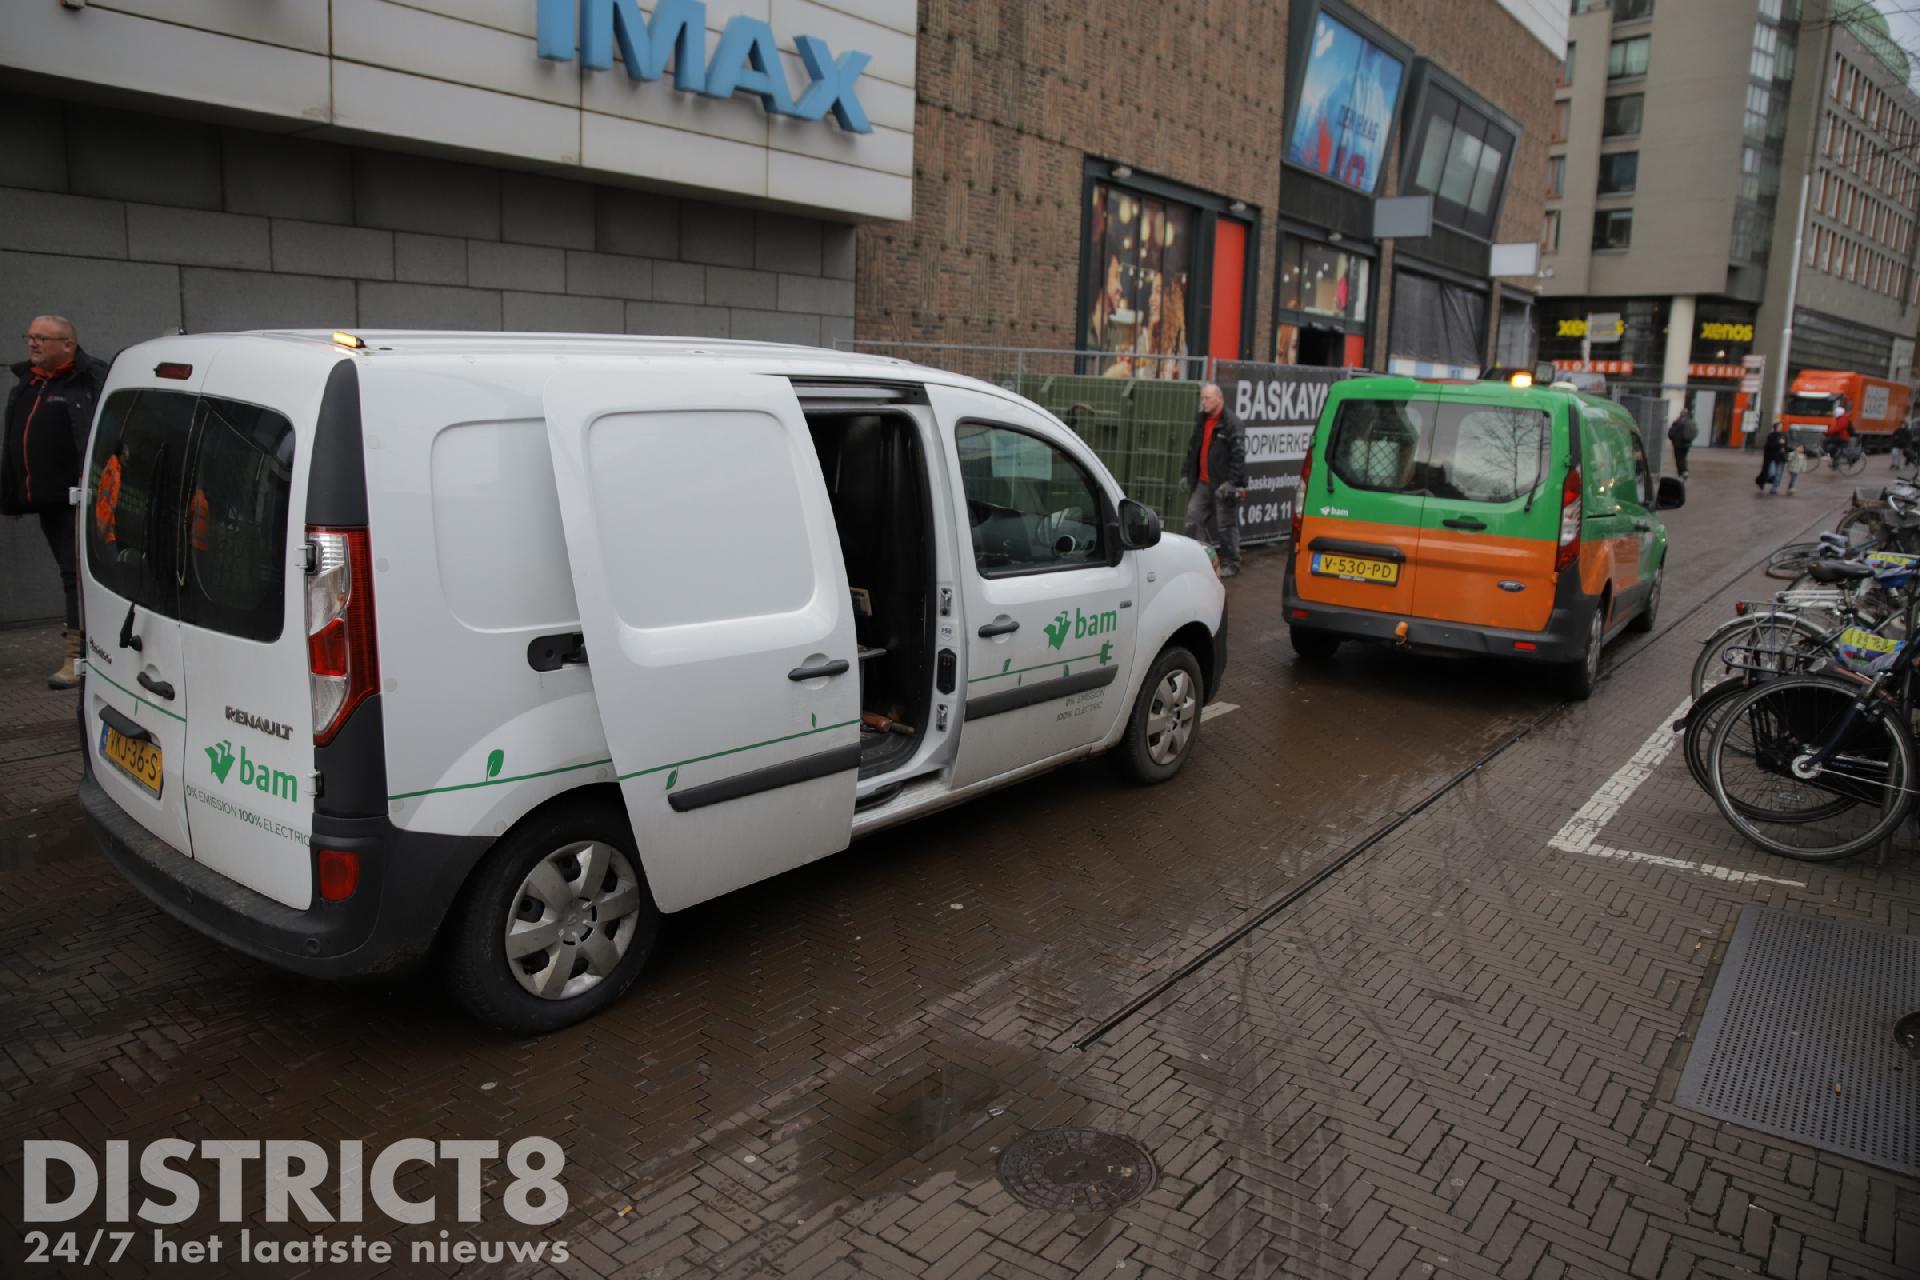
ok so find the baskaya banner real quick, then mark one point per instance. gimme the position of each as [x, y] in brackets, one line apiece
[1278, 405]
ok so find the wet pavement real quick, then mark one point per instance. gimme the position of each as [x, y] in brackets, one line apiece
[1339, 979]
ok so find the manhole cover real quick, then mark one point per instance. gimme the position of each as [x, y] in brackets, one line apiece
[1076, 1170]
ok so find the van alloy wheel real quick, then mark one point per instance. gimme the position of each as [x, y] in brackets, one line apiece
[1595, 634]
[1171, 716]
[572, 919]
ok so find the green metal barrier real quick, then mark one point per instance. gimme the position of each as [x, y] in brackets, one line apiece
[1138, 427]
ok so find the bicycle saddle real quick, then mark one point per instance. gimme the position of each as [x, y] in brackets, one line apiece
[1831, 571]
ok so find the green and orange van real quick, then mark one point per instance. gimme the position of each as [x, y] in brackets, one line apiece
[1499, 518]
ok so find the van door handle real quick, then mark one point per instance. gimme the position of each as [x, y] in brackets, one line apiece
[835, 667]
[1000, 626]
[158, 688]
[1464, 522]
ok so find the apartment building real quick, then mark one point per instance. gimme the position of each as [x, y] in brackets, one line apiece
[1681, 132]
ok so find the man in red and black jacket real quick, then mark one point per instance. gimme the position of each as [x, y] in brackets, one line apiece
[1216, 468]
[49, 412]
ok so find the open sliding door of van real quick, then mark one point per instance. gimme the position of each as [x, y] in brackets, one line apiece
[718, 624]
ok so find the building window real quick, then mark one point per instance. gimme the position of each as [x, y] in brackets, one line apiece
[1550, 233]
[1459, 156]
[1322, 312]
[1613, 229]
[1566, 65]
[1622, 116]
[1560, 109]
[1619, 172]
[1556, 176]
[1632, 10]
[1139, 277]
[1628, 57]
[1344, 112]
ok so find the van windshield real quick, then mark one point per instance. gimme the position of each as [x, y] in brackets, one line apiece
[1811, 404]
[188, 514]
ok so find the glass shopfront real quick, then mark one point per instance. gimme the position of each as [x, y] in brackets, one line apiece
[1324, 304]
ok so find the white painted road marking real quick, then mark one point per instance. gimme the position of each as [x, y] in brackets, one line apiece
[1218, 709]
[1584, 827]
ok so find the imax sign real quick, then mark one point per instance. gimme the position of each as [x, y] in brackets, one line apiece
[747, 59]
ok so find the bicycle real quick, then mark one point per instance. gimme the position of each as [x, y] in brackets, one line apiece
[1821, 765]
[1848, 459]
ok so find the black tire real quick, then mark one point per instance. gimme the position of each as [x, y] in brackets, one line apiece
[1170, 697]
[1765, 730]
[1790, 561]
[1863, 527]
[479, 972]
[1702, 718]
[1649, 615]
[1578, 678]
[1313, 646]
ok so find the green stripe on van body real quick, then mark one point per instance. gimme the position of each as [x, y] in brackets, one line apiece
[637, 773]
[1040, 666]
[145, 702]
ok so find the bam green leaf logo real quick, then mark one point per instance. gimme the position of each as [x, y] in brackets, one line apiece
[1080, 626]
[268, 781]
[1057, 630]
[220, 757]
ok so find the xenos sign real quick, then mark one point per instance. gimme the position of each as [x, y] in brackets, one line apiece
[747, 59]
[1717, 332]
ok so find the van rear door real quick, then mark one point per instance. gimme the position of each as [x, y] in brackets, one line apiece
[242, 592]
[1361, 506]
[136, 688]
[718, 623]
[1489, 527]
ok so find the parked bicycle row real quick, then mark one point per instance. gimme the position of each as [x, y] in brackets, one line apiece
[1801, 726]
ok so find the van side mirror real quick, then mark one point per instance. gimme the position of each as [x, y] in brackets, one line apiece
[1139, 525]
[1673, 493]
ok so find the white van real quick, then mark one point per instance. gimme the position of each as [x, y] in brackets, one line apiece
[509, 643]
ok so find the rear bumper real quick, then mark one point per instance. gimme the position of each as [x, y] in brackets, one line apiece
[1562, 640]
[407, 882]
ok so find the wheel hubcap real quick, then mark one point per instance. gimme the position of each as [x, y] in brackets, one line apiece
[1170, 718]
[572, 920]
[1593, 646]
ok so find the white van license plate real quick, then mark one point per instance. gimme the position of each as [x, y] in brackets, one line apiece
[140, 761]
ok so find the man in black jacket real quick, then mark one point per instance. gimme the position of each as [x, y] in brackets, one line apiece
[49, 412]
[1216, 469]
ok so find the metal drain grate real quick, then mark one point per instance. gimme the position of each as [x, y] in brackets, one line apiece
[1799, 1038]
[1076, 1170]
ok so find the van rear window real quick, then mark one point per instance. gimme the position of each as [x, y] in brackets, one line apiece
[1380, 444]
[188, 509]
[1483, 453]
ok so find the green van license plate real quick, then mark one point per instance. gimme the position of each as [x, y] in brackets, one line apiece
[1356, 568]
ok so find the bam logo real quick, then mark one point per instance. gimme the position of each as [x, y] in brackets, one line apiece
[1080, 626]
[267, 781]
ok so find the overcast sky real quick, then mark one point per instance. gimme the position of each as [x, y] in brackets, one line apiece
[1905, 27]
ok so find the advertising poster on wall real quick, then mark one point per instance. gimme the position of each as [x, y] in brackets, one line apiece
[1278, 406]
[1346, 106]
[1137, 283]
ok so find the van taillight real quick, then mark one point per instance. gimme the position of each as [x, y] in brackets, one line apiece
[1300, 496]
[343, 659]
[1569, 549]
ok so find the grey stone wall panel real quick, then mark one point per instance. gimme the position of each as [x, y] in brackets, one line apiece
[559, 313]
[716, 235]
[156, 233]
[782, 242]
[636, 222]
[36, 152]
[323, 249]
[420, 306]
[114, 304]
[43, 222]
[607, 275]
[492, 264]
[429, 259]
[412, 193]
[669, 319]
[280, 177]
[817, 294]
[546, 211]
[679, 282]
[732, 287]
[225, 301]
[775, 326]
[124, 156]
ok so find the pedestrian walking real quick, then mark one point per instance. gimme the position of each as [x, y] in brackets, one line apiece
[1902, 445]
[1797, 465]
[1774, 452]
[1682, 433]
[49, 412]
[1216, 468]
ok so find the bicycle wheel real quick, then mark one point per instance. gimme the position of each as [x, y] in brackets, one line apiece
[1703, 720]
[1864, 528]
[1790, 561]
[1853, 463]
[1764, 788]
[1763, 642]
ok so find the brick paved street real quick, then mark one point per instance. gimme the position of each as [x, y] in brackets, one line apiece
[1455, 1055]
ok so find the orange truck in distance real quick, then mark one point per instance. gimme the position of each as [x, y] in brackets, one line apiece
[1877, 405]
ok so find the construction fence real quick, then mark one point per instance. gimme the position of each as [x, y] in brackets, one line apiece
[1137, 414]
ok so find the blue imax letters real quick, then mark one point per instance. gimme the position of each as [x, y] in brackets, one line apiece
[747, 57]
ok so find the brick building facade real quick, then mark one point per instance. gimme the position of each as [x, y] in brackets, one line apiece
[1017, 102]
